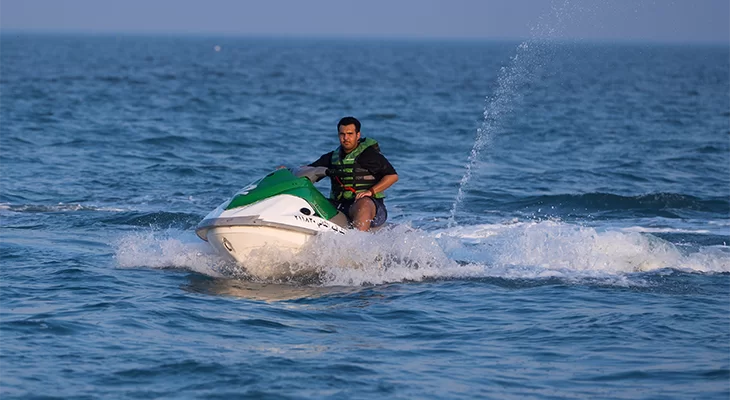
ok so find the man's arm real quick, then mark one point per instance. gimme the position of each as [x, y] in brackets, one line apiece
[378, 165]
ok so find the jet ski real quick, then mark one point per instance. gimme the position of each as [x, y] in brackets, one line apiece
[281, 211]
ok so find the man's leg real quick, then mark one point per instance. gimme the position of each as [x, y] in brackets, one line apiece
[362, 213]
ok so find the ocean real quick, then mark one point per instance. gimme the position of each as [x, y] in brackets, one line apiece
[560, 228]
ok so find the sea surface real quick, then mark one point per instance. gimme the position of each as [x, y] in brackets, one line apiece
[560, 229]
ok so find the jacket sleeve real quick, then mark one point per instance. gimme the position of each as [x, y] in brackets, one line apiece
[323, 161]
[375, 162]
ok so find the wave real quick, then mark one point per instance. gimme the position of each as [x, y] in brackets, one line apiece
[115, 79]
[112, 215]
[167, 140]
[60, 207]
[644, 229]
[533, 251]
[381, 116]
[157, 220]
[178, 170]
[658, 203]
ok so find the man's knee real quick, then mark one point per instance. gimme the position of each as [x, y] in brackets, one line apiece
[364, 206]
[362, 213]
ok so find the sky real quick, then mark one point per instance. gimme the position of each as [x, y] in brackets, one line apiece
[605, 20]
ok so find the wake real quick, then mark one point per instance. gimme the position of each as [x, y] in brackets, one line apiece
[522, 250]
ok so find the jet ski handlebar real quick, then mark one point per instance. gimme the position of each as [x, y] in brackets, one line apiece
[314, 174]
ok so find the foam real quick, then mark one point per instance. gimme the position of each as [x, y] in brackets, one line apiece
[358, 258]
[168, 249]
[523, 250]
[558, 246]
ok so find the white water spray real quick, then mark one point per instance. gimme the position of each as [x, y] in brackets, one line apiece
[524, 67]
[523, 250]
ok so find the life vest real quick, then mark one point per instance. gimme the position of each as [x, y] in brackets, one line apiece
[348, 177]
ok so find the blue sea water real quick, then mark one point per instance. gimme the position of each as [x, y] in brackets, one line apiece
[563, 219]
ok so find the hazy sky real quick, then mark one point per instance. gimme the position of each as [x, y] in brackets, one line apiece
[644, 20]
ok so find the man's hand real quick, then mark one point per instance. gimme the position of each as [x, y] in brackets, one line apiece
[384, 183]
[367, 193]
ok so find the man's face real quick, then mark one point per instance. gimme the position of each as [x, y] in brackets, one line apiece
[348, 137]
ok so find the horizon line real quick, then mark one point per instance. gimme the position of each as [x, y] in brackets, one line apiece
[325, 36]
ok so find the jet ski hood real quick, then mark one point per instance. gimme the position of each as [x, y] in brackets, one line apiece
[268, 202]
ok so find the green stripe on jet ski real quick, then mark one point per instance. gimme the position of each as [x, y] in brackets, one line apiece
[282, 181]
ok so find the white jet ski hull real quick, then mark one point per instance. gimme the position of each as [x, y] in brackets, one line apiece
[281, 224]
[239, 242]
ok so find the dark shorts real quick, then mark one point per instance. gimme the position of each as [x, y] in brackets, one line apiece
[381, 213]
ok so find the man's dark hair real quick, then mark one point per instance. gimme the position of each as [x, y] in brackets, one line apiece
[349, 121]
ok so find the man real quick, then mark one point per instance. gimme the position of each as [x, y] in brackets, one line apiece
[359, 174]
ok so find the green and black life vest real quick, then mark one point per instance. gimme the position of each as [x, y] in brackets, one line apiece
[348, 177]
